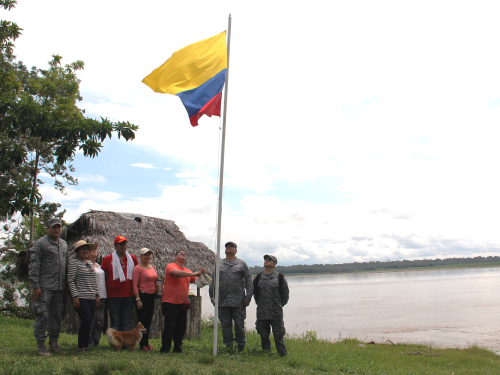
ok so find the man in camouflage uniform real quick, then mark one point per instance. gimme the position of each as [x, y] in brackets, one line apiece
[47, 273]
[271, 294]
[234, 280]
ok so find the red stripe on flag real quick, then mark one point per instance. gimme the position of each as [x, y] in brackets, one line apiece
[212, 108]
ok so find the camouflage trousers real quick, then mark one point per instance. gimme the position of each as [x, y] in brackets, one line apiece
[228, 315]
[48, 312]
[97, 325]
[263, 328]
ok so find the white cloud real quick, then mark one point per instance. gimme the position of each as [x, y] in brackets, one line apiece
[300, 232]
[198, 177]
[143, 165]
[95, 179]
[50, 194]
[74, 196]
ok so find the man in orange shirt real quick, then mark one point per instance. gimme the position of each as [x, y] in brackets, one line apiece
[175, 303]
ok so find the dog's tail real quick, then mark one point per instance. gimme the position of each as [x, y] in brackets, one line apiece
[110, 333]
[113, 342]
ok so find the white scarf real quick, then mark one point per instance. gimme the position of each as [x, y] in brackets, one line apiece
[117, 267]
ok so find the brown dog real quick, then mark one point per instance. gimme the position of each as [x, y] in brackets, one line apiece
[129, 340]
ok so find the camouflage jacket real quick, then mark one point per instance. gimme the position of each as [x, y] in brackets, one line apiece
[270, 298]
[234, 280]
[48, 264]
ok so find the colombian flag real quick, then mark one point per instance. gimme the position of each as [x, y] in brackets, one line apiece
[196, 74]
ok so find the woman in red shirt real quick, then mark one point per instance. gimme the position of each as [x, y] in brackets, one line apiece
[144, 286]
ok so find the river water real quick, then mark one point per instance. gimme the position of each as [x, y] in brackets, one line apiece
[454, 307]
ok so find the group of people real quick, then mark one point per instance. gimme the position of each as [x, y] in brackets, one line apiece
[122, 282]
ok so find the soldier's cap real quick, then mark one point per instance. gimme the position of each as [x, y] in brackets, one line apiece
[54, 221]
[92, 246]
[231, 244]
[119, 239]
[272, 257]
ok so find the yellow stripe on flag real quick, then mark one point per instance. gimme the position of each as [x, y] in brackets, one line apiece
[190, 66]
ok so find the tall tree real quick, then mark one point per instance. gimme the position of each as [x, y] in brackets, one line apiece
[41, 126]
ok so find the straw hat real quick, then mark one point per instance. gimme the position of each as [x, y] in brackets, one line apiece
[92, 246]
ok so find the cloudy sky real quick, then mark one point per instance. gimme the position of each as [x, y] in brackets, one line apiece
[356, 131]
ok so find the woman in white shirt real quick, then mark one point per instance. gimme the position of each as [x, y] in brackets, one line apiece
[96, 328]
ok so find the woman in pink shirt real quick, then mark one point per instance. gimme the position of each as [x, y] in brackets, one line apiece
[144, 286]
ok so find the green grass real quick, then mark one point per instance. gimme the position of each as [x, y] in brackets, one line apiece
[306, 355]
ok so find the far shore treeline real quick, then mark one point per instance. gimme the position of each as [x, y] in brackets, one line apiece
[377, 266]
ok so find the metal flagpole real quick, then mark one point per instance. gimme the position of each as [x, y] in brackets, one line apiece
[217, 258]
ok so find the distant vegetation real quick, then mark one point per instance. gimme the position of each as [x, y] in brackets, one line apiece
[374, 266]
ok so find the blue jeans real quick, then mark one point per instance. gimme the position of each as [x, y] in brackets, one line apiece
[120, 312]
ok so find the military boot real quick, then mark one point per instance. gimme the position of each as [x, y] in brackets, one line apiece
[41, 349]
[241, 348]
[53, 347]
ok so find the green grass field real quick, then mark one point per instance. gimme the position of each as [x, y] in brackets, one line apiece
[306, 355]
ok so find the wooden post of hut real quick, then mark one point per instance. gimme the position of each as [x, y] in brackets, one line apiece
[193, 327]
[156, 328]
[71, 323]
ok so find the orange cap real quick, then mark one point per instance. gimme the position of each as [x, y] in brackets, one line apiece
[119, 239]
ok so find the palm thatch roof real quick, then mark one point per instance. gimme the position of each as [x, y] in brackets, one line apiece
[161, 236]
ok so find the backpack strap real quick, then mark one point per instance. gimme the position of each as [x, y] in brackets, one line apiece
[255, 289]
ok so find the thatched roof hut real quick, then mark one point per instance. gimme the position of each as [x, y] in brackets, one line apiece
[161, 236]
